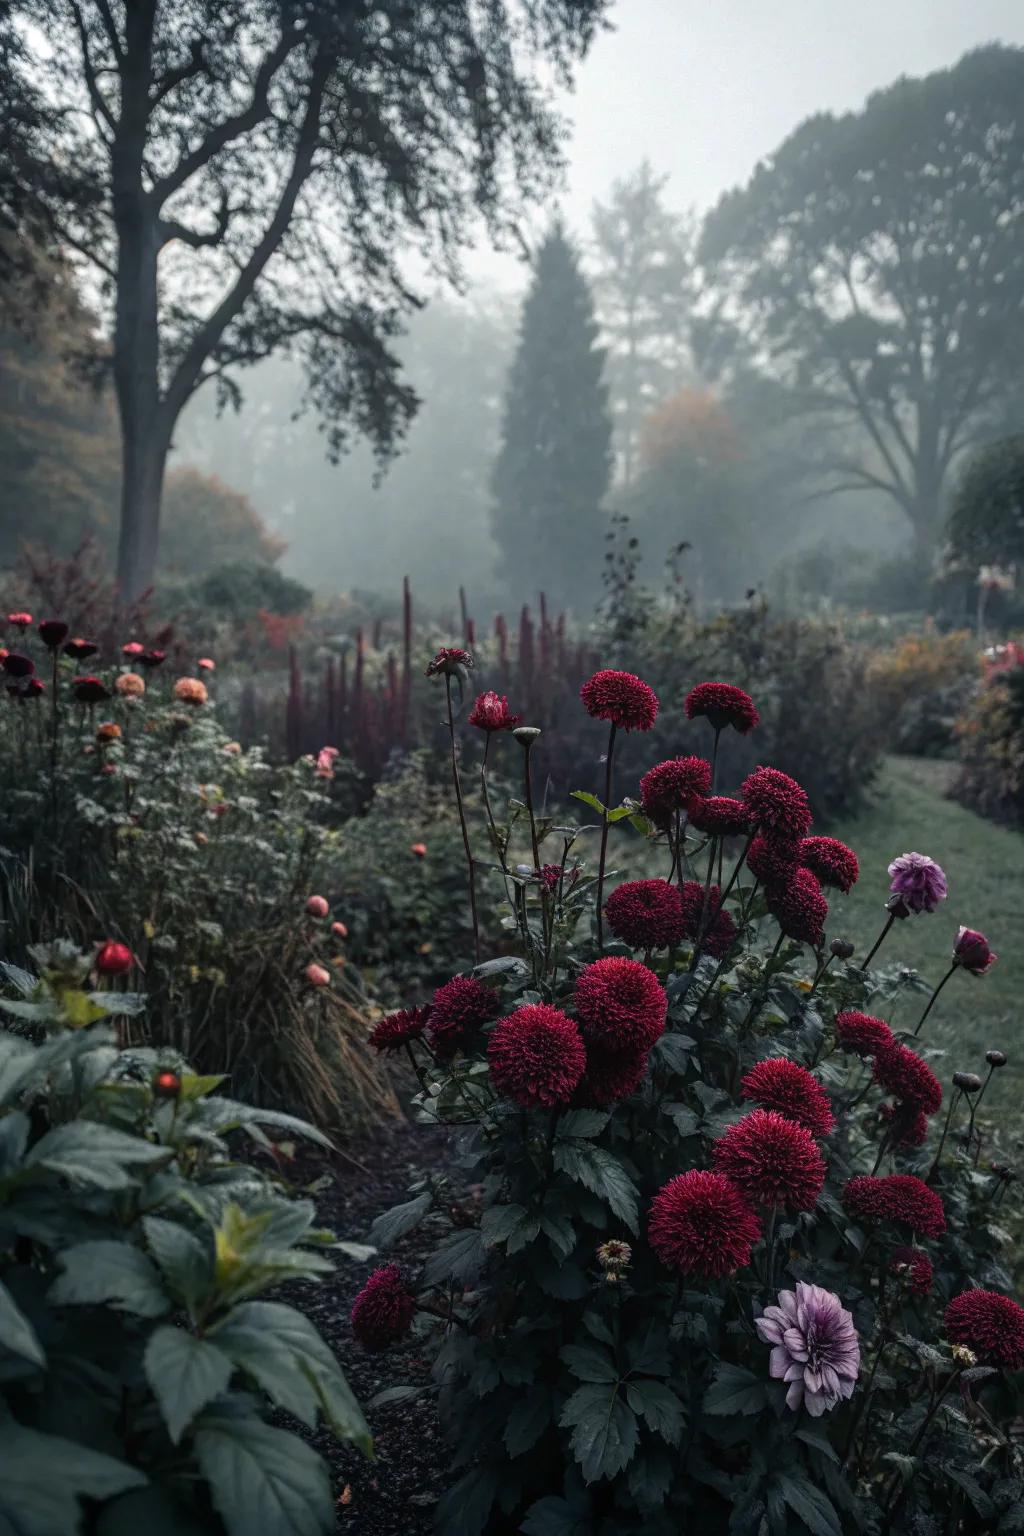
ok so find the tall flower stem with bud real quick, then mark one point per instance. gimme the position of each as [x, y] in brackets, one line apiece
[609, 761]
[934, 998]
[457, 781]
[876, 946]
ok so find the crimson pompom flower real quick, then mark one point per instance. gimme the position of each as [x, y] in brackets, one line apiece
[672, 786]
[861, 1034]
[898, 1197]
[536, 1056]
[772, 1160]
[832, 861]
[80, 649]
[647, 914]
[612, 1075]
[772, 861]
[450, 661]
[907, 1075]
[722, 704]
[53, 633]
[384, 1309]
[721, 935]
[776, 802]
[990, 1325]
[17, 665]
[784, 1085]
[458, 1009]
[720, 816]
[701, 1224]
[908, 1125]
[114, 959]
[491, 713]
[396, 1030]
[90, 690]
[620, 698]
[722, 931]
[915, 1267]
[620, 1004]
[972, 951]
[799, 908]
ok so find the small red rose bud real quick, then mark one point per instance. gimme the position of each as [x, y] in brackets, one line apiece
[317, 976]
[167, 1085]
[317, 906]
[339, 930]
[114, 959]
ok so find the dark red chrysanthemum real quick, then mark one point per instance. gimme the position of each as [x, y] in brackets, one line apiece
[831, 860]
[720, 816]
[384, 1309]
[536, 1056]
[722, 931]
[622, 699]
[799, 908]
[672, 786]
[907, 1075]
[90, 690]
[720, 936]
[701, 1224]
[450, 661]
[786, 1086]
[772, 860]
[457, 1010]
[612, 1075]
[776, 802]
[899, 1197]
[17, 665]
[722, 704]
[491, 713]
[647, 914]
[772, 1160]
[916, 1266]
[908, 1125]
[863, 1035]
[620, 1004]
[398, 1029]
[989, 1324]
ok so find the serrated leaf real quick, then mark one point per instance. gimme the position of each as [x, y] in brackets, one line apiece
[460, 1257]
[588, 1363]
[659, 1407]
[734, 1390]
[393, 1225]
[110, 1272]
[86, 1152]
[553, 1516]
[583, 1122]
[263, 1479]
[809, 1504]
[42, 1478]
[527, 1421]
[183, 1260]
[465, 1508]
[499, 1222]
[588, 799]
[16, 1332]
[185, 1374]
[604, 1430]
[603, 1175]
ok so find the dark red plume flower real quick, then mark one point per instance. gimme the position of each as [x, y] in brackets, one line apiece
[772, 1160]
[916, 1266]
[620, 1004]
[53, 633]
[384, 1309]
[722, 704]
[80, 649]
[491, 713]
[90, 690]
[700, 1224]
[831, 860]
[720, 816]
[17, 665]
[536, 1056]
[620, 698]
[907, 1075]
[672, 786]
[647, 914]
[398, 1029]
[799, 908]
[458, 1010]
[784, 1085]
[990, 1325]
[777, 803]
[898, 1197]
[772, 861]
[863, 1035]
[611, 1075]
[907, 1123]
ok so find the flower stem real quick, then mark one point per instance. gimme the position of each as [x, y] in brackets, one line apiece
[878, 942]
[896, 1492]
[762, 997]
[604, 835]
[933, 1170]
[934, 997]
[457, 781]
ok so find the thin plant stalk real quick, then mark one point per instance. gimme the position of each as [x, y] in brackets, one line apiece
[872, 952]
[933, 1170]
[604, 834]
[457, 781]
[762, 997]
[934, 998]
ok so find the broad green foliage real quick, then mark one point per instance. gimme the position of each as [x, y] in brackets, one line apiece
[137, 1361]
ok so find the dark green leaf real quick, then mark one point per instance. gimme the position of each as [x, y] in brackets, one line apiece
[583, 1122]
[588, 1362]
[660, 1409]
[111, 1272]
[464, 1509]
[809, 1504]
[734, 1390]
[459, 1257]
[16, 1332]
[183, 1259]
[602, 1174]
[147, 1510]
[185, 1374]
[263, 1479]
[42, 1477]
[86, 1152]
[394, 1224]
[554, 1517]
[527, 1421]
[604, 1431]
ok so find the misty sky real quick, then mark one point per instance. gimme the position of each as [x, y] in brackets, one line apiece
[705, 88]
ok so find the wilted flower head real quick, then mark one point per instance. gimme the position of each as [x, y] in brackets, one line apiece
[491, 713]
[108, 731]
[772, 1160]
[621, 698]
[917, 881]
[832, 861]
[536, 1056]
[130, 685]
[972, 952]
[814, 1347]
[647, 914]
[777, 803]
[672, 786]
[384, 1309]
[398, 1029]
[897, 1197]
[451, 661]
[990, 1325]
[784, 1085]
[189, 690]
[614, 1257]
[700, 1223]
[722, 704]
[620, 1004]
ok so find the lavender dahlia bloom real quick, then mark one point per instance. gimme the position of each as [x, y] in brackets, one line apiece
[918, 880]
[815, 1347]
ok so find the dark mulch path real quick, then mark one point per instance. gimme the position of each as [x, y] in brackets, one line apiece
[394, 1495]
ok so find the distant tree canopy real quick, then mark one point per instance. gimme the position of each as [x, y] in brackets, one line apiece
[244, 179]
[553, 469]
[986, 520]
[206, 525]
[644, 291]
[875, 264]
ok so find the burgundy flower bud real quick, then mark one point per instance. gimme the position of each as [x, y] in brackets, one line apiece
[972, 951]
[17, 665]
[968, 1082]
[996, 1058]
[53, 633]
[491, 713]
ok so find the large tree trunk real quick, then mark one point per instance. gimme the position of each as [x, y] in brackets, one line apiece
[143, 461]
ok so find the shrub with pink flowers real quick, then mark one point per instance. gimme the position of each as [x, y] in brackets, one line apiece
[738, 1259]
